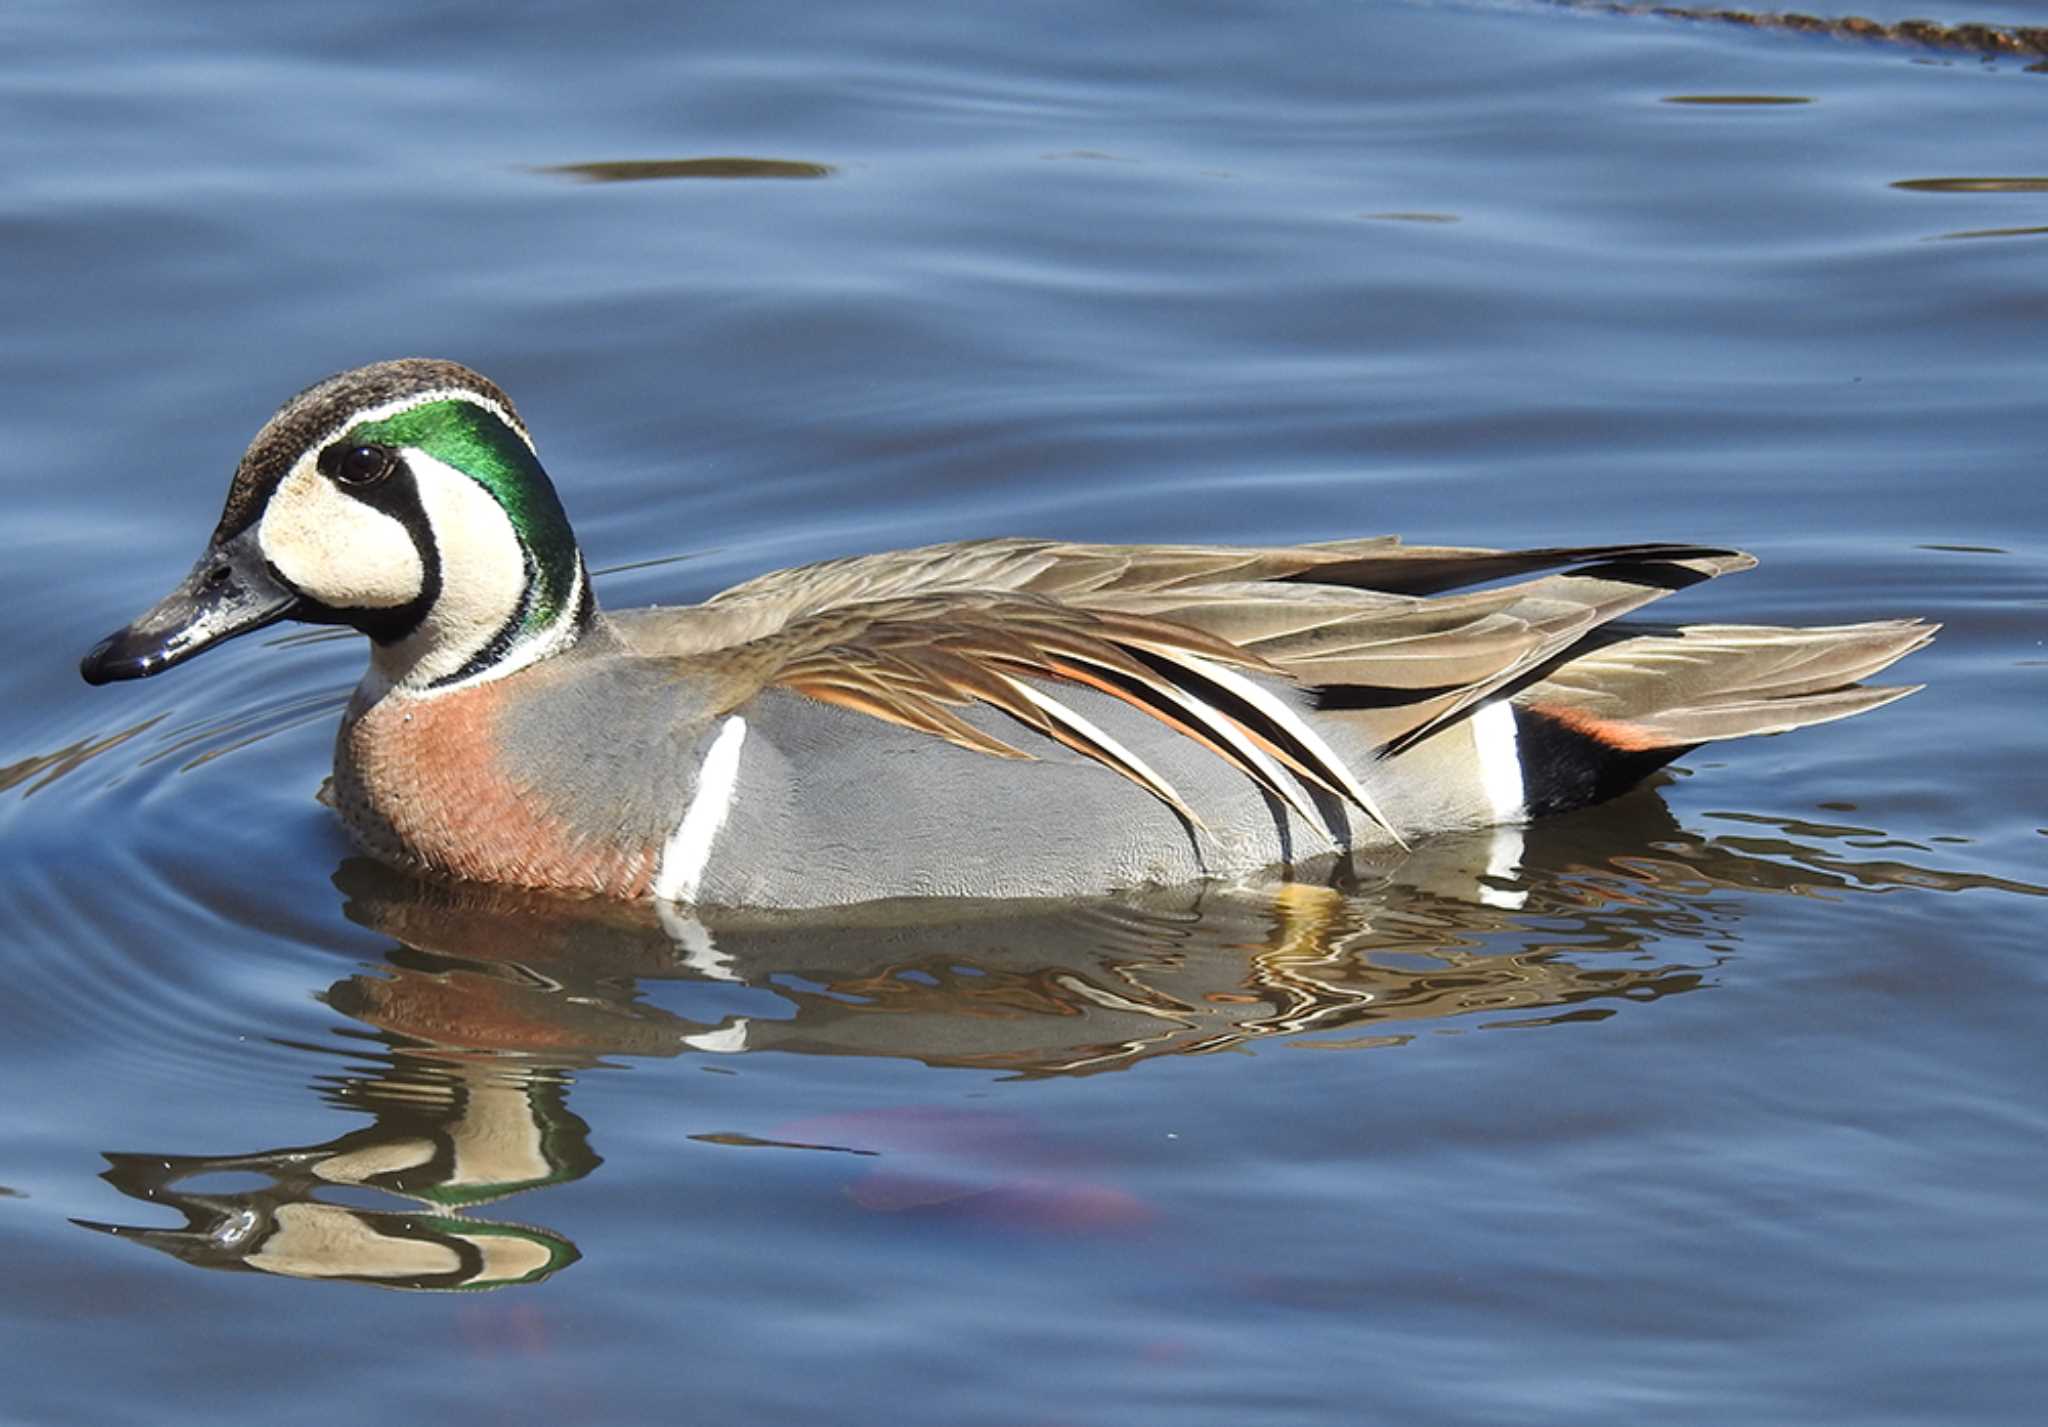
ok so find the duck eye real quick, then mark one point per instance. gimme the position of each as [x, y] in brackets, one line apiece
[363, 465]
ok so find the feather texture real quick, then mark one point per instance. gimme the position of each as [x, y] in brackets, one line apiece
[1397, 641]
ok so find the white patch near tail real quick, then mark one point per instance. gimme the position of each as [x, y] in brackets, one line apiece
[688, 850]
[1500, 760]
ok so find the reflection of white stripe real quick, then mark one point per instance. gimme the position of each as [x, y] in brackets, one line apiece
[688, 850]
[693, 939]
[726, 1040]
[1503, 862]
[1500, 760]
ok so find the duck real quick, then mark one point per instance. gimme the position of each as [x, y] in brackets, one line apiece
[997, 718]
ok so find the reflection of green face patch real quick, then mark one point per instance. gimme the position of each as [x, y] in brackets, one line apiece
[465, 436]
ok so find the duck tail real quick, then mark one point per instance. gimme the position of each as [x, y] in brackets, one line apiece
[1621, 705]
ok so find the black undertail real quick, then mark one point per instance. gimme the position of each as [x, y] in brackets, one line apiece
[1566, 766]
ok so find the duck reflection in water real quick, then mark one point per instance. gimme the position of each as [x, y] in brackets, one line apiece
[494, 999]
[450, 1138]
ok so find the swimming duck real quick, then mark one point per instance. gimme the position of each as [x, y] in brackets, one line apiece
[991, 718]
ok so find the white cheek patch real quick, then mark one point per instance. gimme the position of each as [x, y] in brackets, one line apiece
[335, 548]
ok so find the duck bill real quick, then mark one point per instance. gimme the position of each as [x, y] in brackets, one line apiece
[231, 591]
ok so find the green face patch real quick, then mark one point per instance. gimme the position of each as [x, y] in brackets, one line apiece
[466, 436]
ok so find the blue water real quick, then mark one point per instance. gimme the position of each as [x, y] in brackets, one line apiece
[1717, 1104]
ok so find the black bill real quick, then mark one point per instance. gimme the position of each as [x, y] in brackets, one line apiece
[229, 592]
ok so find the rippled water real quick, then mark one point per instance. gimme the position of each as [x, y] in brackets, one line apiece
[1719, 1103]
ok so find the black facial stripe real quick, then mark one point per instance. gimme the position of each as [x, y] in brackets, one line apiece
[398, 496]
[500, 643]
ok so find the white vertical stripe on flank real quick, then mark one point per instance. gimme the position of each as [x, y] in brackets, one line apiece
[1500, 760]
[688, 850]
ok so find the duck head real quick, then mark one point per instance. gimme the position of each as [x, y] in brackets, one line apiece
[403, 499]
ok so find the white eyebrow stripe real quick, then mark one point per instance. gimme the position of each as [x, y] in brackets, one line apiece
[384, 411]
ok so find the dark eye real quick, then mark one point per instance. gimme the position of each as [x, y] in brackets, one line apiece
[363, 465]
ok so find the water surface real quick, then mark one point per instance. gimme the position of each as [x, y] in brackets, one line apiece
[1719, 1103]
